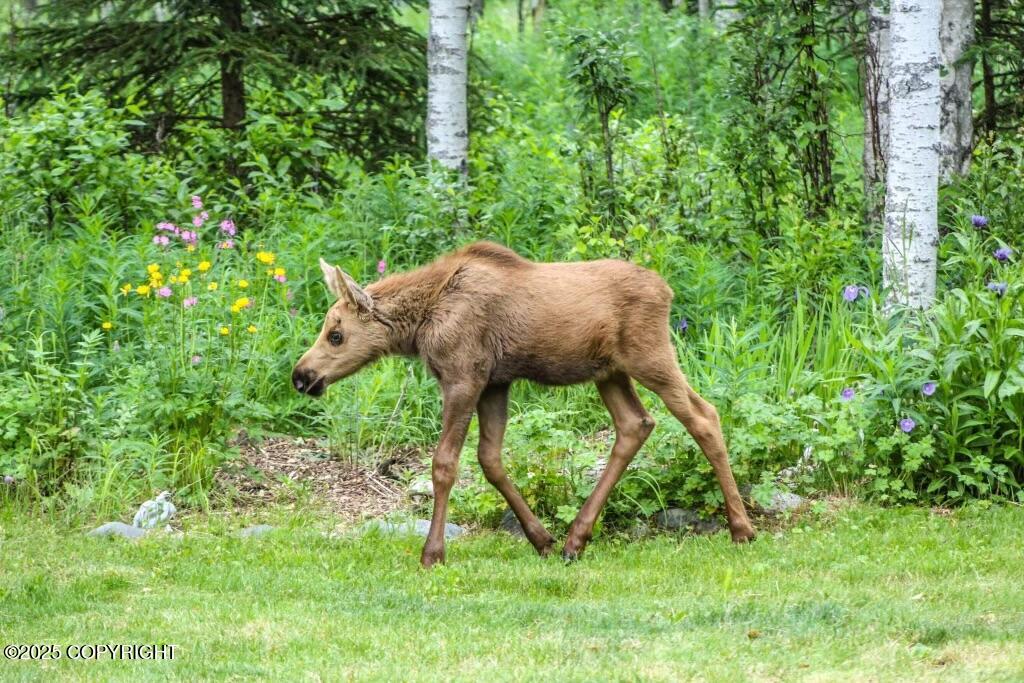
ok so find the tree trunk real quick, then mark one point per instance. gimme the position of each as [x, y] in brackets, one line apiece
[232, 82]
[988, 78]
[725, 13]
[911, 233]
[957, 126]
[876, 109]
[704, 9]
[447, 68]
[520, 16]
[537, 8]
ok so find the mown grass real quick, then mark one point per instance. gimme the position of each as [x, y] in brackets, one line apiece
[858, 593]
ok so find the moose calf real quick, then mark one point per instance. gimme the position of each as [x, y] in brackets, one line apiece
[483, 317]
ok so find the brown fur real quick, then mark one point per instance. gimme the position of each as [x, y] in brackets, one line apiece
[483, 317]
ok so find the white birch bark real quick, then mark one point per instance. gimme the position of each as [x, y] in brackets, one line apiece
[957, 126]
[704, 9]
[911, 232]
[725, 13]
[447, 69]
[876, 105]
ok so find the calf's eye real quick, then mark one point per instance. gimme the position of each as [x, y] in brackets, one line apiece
[335, 338]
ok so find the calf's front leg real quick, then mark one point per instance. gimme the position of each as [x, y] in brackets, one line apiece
[459, 401]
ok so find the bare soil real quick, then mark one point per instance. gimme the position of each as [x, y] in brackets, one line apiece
[285, 469]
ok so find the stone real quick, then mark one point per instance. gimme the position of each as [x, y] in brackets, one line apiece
[415, 527]
[677, 519]
[422, 487]
[255, 531]
[783, 501]
[118, 529]
[510, 523]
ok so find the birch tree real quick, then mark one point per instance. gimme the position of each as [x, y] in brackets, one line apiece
[911, 236]
[704, 9]
[447, 69]
[876, 107]
[957, 127]
[725, 13]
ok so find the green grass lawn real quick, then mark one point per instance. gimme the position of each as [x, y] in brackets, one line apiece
[856, 593]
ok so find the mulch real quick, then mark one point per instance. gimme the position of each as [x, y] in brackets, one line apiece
[286, 469]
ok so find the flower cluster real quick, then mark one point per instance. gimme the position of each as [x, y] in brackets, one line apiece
[907, 424]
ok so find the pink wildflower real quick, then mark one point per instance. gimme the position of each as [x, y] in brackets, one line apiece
[197, 202]
[196, 360]
[281, 278]
[167, 227]
[161, 240]
[227, 226]
[226, 244]
[190, 302]
[382, 265]
[189, 236]
[164, 292]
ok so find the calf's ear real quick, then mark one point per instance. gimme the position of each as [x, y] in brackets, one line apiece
[342, 286]
[332, 278]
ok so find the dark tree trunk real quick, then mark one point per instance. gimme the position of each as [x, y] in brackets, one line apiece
[987, 76]
[232, 81]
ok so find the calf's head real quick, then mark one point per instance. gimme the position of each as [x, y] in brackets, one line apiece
[352, 336]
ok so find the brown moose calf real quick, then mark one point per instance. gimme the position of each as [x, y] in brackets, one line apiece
[483, 317]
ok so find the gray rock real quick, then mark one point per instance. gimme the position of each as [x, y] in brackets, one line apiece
[783, 501]
[510, 523]
[118, 529]
[415, 527]
[422, 487]
[677, 519]
[255, 531]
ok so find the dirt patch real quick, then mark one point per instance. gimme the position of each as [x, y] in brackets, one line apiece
[281, 469]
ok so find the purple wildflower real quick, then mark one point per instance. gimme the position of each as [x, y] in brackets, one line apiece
[847, 394]
[161, 240]
[907, 425]
[197, 202]
[979, 221]
[928, 388]
[190, 301]
[196, 360]
[1003, 253]
[852, 292]
[167, 227]
[382, 265]
[189, 236]
[998, 287]
[682, 325]
[227, 226]
[164, 292]
[9, 480]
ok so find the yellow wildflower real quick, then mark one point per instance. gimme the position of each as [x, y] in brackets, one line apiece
[204, 266]
[251, 329]
[153, 268]
[239, 304]
[242, 284]
[212, 286]
[266, 257]
[278, 272]
[107, 325]
[126, 288]
[174, 279]
[185, 272]
[142, 290]
[224, 330]
[190, 248]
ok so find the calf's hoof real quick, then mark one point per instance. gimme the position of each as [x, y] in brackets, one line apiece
[743, 534]
[572, 551]
[544, 544]
[432, 556]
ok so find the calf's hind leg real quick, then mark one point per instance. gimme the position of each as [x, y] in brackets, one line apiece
[632, 427]
[700, 419]
[492, 411]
